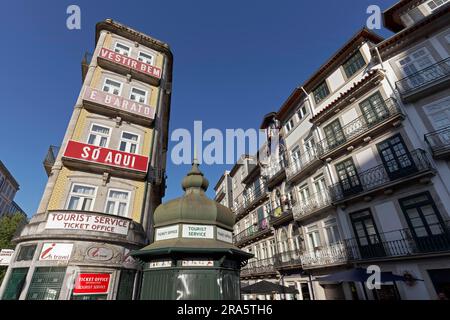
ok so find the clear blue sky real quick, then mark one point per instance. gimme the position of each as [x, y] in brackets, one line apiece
[234, 62]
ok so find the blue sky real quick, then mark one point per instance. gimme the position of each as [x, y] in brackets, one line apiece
[234, 62]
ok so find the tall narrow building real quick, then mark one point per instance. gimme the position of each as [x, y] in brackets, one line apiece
[104, 181]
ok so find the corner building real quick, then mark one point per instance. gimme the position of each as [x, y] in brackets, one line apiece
[104, 181]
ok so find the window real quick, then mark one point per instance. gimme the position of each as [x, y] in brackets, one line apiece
[138, 95]
[395, 156]
[313, 237]
[99, 136]
[2, 179]
[289, 125]
[46, 283]
[310, 148]
[129, 142]
[126, 285]
[302, 112]
[117, 202]
[348, 177]
[434, 4]
[146, 57]
[331, 231]
[122, 49]
[414, 62]
[26, 253]
[81, 197]
[112, 86]
[334, 134]
[321, 92]
[366, 233]
[374, 109]
[295, 156]
[353, 64]
[15, 284]
[304, 194]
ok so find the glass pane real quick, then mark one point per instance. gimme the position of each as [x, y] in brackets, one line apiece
[87, 204]
[110, 207]
[123, 146]
[73, 203]
[122, 209]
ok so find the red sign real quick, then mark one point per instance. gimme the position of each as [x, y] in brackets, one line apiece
[130, 63]
[110, 157]
[119, 103]
[92, 283]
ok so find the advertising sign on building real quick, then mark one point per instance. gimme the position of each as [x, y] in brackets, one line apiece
[198, 231]
[119, 103]
[87, 222]
[92, 283]
[99, 253]
[224, 235]
[130, 63]
[56, 251]
[109, 157]
[5, 256]
[166, 233]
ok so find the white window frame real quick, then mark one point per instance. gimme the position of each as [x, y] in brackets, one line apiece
[138, 142]
[122, 44]
[289, 125]
[82, 196]
[145, 94]
[114, 80]
[409, 55]
[116, 207]
[300, 114]
[99, 134]
[149, 54]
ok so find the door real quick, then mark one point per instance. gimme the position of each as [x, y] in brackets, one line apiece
[334, 134]
[321, 191]
[348, 177]
[367, 237]
[310, 149]
[374, 109]
[415, 62]
[397, 161]
[425, 223]
[439, 115]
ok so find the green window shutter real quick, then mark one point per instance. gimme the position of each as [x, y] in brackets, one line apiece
[15, 284]
[126, 285]
[46, 283]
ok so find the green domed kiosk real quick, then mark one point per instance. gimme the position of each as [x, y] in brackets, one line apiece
[192, 256]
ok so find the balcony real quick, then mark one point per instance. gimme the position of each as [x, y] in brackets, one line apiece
[85, 62]
[439, 143]
[220, 195]
[416, 165]
[288, 259]
[425, 82]
[278, 216]
[329, 255]
[259, 268]
[50, 159]
[253, 233]
[360, 130]
[316, 203]
[300, 168]
[400, 243]
[250, 200]
[275, 173]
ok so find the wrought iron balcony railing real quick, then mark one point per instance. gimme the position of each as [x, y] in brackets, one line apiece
[50, 158]
[257, 267]
[255, 230]
[315, 203]
[280, 215]
[424, 77]
[273, 169]
[306, 160]
[384, 111]
[249, 198]
[288, 259]
[408, 165]
[439, 142]
[329, 255]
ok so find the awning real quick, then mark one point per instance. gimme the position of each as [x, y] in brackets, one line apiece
[267, 287]
[361, 275]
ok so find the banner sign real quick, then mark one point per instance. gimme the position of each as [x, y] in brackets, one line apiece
[109, 157]
[87, 222]
[92, 283]
[56, 252]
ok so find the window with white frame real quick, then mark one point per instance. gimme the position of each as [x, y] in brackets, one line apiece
[434, 4]
[289, 125]
[331, 231]
[81, 197]
[138, 95]
[122, 49]
[117, 202]
[146, 57]
[112, 86]
[417, 60]
[313, 237]
[99, 135]
[302, 112]
[129, 142]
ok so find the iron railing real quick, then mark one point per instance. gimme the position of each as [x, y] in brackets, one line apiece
[383, 111]
[304, 161]
[439, 140]
[254, 230]
[329, 255]
[314, 203]
[279, 214]
[412, 163]
[251, 196]
[288, 259]
[262, 266]
[424, 77]
[274, 168]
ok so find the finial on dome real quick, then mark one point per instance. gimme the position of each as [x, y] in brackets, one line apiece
[195, 178]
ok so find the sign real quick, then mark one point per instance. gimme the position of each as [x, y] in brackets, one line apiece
[198, 231]
[166, 233]
[6, 256]
[197, 263]
[119, 103]
[87, 222]
[99, 253]
[109, 157]
[56, 251]
[92, 283]
[160, 264]
[224, 235]
[130, 63]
